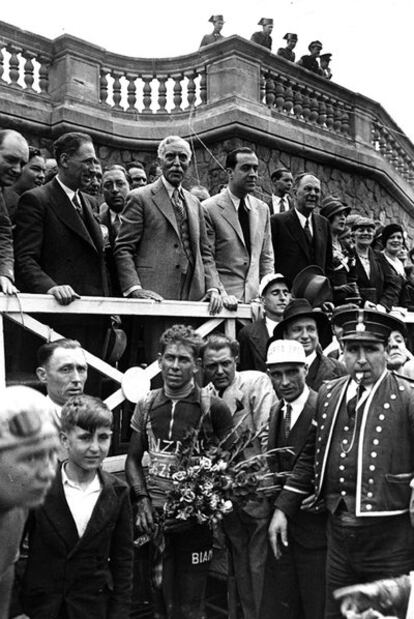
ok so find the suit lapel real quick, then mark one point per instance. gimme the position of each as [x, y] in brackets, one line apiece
[299, 432]
[254, 226]
[318, 236]
[193, 223]
[58, 513]
[259, 335]
[162, 201]
[229, 213]
[91, 224]
[296, 230]
[66, 212]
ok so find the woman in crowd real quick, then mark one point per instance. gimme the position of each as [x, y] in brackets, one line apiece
[399, 358]
[391, 265]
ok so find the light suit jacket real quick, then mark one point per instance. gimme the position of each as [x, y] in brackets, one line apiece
[148, 249]
[239, 273]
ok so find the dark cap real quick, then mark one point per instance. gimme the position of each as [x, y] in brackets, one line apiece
[325, 57]
[264, 21]
[367, 325]
[331, 206]
[363, 222]
[214, 18]
[314, 44]
[389, 231]
[301, 308]
[313, 285]
[291, 35]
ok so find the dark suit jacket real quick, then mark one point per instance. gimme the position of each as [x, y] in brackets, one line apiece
[307, 528]
[149, 251]
[393, 284]
[53, 246]
[6, 242]
[324, 368]
[291, 249]
[89, 576]
[370, 288]
[253, 340]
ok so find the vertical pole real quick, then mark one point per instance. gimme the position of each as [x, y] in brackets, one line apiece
[230, 327]
[2, 355]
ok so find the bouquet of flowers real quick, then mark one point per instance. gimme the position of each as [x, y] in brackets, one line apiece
[209, 482]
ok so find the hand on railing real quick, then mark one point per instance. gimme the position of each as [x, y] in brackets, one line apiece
[216, 302]
[230, 302]
[63, 294]
[140, 293]
[7, 286]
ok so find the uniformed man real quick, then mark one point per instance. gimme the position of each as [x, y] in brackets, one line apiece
[309, 61]
[264, 38]
[324, 60]
[218, 23]
[359, 459]
[287, 52]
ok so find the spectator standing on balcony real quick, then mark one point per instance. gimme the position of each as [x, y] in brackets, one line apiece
[137, 175]
[310, 61]
[160, 422]
[162, 249]
[59, 243]
[263, 38]
[287, 52]
[324, 60]
[218, 23]
[252, 403]
[282, 182]
[253, 338]
[300, 237]
[14, 155]
[238, 227]
[33, 175]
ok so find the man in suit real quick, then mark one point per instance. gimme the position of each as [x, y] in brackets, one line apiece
[253, 338]
[301, 237]
[14, 155]
[162, 249]
[298, 576]
[282, 182]
[312, 329]
[238, 228]
[252, 403]
[358, 459]
[59, 244]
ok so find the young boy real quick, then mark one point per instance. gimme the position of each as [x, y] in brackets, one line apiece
[80, 540]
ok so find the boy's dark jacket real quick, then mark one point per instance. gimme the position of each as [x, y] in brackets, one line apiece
[89, 576]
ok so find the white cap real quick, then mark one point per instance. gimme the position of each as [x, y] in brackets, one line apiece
[269, 279]
[285, 351]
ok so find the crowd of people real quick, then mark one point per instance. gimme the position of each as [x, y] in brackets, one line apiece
[322, 376]
[314, 61]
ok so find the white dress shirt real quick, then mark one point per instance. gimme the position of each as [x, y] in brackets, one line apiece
[303, 219]
[297, 406]
[270, 325]
[81, 501]
[236, 200]
[277, 201]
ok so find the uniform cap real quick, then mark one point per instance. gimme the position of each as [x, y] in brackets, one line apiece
[314, 44]
[269, 279]
[264, 21]
[285, 351]
[325, 56]
[214, 18]
[368, 325]
[291, 35]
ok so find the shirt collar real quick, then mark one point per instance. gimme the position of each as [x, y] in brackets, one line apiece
[303, 219]
[93, 486]
[270, 325]
[298, 404]
[311, 358]
[171, 188]
[236, 200]
[68, 191]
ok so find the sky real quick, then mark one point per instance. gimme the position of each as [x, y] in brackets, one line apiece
[371, 40]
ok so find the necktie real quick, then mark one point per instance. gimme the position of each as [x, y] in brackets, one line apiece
[116, 224]
[78, 206]
[287, 420]
[243, 216]
[282, 205]
[178, 204]
[353, 402]
[307, 232]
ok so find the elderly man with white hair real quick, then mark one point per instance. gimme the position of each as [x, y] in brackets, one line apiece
[28, 448]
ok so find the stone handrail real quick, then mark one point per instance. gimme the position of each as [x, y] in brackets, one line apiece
[68, 69]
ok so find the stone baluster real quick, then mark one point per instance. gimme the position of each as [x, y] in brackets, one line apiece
[346, 120]
[338, 113]
[330, 113]
[382, 142]
[44, 62]
[2, 81]
[298, 101]
[262, 87]
[314, 106]
[191, 89]
[116, 89]
[14, 65]
[400, 163]
[270, 90]
[177, 92]
[28, 70]
[162, 94]
[103, 86]
[147, 94]
[279, 93]
[374, 135]
[321, 120]
[131, 92]
[388, 147]
[203, 85]
[306, 111]
[288, 98]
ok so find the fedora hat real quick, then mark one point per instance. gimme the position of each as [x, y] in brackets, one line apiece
[301, 308]
[312, 284]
